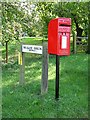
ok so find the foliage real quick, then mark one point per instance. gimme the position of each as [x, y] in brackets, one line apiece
[16, 20]
[28, 21]
[32, 18]
[77, 11]
[10, 24]
[44, 11]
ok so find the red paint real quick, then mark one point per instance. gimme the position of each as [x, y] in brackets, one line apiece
[58, 33]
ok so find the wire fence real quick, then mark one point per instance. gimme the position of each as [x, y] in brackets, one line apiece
[82, 44]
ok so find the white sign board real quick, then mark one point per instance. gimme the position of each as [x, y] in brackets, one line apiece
[64, 42]
[32, 49]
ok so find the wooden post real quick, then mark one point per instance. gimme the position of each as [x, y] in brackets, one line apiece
[44, 81]
[74, 43]
[22, 68]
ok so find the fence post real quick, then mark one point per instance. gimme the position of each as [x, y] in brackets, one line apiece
[74, 43]
[44, 81]
[22, 67]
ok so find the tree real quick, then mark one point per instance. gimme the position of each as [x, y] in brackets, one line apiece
[10, 24]
[44, 11]
[78, 11]
[28, 21]
[17, 18]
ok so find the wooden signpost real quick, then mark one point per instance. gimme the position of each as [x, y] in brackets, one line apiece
[36, 50]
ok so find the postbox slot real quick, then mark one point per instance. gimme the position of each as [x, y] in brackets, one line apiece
[64, 25]
[64, 22]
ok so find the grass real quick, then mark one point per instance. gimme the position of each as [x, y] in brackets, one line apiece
[27, 102]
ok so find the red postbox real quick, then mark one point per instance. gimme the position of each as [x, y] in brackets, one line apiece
[59, 36]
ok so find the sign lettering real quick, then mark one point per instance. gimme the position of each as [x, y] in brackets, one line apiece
[32, 49]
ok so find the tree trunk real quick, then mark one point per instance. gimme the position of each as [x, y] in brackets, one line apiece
[78, 29]
[79, 33]
[6, 51]
[88, 51]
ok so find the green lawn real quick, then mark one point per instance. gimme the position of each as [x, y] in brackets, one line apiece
[27, 102]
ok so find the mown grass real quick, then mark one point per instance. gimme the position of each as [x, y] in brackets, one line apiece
[27, 102]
